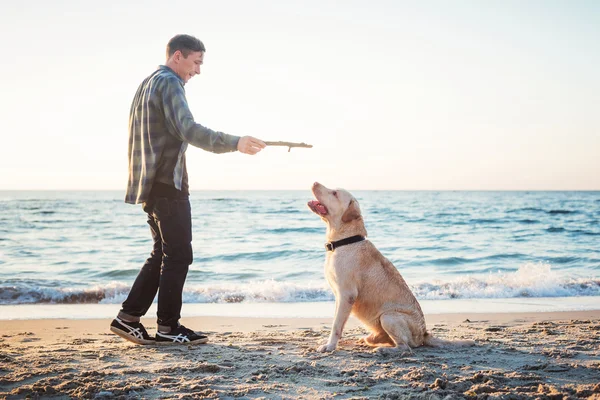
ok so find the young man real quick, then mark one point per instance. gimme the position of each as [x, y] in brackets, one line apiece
[160, 128]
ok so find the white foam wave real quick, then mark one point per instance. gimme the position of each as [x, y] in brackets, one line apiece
[268, 291]
[531, 280]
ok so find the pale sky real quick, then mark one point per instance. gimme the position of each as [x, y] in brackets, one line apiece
[432, 95]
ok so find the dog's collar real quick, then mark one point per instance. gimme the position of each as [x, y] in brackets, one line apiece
[331, 246]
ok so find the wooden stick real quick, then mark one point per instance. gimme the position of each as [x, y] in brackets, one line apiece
[289, 145]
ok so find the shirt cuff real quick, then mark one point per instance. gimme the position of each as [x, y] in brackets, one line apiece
[233, 141]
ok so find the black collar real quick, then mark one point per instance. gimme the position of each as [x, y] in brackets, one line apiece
[331, 246]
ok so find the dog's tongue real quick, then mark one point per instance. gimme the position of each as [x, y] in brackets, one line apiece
[317, 207]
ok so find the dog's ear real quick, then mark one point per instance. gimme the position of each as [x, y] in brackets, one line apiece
[352, 212]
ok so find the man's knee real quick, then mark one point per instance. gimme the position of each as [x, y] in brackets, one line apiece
[178, 255]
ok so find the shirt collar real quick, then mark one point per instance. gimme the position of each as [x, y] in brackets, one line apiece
[165, 68]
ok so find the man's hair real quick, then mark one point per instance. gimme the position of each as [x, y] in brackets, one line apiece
[184, 43]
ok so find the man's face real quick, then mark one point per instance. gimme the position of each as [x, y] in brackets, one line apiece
[190, 66]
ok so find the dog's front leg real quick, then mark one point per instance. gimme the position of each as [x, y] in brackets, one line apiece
[343, 307]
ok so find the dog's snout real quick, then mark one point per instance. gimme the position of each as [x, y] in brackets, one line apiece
[316, 185]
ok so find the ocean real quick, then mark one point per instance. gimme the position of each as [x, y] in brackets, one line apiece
[260, 253]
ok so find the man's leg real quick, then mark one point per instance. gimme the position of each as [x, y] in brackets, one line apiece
[174, 220]
[142, 293]
[144, 288]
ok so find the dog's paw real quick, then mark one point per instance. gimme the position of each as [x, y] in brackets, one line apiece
[326, 348]
[398, 351]
[386, 351]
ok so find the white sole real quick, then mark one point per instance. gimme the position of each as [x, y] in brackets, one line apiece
[167, 343]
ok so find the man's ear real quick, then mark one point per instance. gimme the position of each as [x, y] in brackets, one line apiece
[352, 212]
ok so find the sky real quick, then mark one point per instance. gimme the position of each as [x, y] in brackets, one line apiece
[393, 95]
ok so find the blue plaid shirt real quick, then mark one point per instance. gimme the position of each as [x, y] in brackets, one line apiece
[160, 128]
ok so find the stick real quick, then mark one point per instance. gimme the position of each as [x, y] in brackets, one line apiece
[289, 145]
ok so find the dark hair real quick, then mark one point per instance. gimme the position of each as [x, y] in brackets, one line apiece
[184, 43]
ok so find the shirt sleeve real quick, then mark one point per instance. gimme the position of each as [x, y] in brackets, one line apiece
[180, 122]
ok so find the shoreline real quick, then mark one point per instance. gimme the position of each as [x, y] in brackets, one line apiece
[249, 324]
[323, 309]
[517, 355]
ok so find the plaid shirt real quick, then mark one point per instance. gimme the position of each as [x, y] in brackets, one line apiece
[160, 128]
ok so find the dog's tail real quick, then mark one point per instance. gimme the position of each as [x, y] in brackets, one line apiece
[432, 341]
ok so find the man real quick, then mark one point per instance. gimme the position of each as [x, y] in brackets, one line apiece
[160, 128]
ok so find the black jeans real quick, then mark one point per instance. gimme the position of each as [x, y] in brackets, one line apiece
[165, 271]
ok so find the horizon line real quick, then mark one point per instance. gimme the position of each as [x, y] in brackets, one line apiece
[292, 190]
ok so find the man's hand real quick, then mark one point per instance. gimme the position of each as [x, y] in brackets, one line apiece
[250, 145]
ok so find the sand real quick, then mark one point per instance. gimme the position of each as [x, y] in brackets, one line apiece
[517, 356]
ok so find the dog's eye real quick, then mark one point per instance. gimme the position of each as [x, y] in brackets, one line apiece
[335, 193]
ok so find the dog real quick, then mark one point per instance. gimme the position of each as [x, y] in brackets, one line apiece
[366, 283]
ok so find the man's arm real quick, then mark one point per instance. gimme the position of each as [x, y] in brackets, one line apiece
[181, 124]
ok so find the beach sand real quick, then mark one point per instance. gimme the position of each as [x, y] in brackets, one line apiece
[517, 356]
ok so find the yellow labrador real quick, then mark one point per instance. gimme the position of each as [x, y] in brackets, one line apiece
[365, 282]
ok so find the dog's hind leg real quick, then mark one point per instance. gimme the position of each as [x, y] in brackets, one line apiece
[376, 339]
[396, 325]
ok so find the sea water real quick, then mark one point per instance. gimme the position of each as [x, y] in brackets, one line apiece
[261, 253]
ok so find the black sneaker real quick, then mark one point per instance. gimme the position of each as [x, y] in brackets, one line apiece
[132, 331]
[180, 335]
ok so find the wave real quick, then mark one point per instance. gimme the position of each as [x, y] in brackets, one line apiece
[310, 230]
[541, 210]
[516, 210]
[453, 261]
[589, 233]
[487, 221]
[531, 280]
[574, 232]
[449, 261]
[28, 293]
[249, 256]
[284, 211]
[116, 292]
[562, 212]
